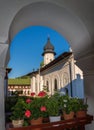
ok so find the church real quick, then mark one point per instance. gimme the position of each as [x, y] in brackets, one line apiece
[60, 73]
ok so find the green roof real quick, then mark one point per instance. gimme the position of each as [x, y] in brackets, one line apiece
[19, 81]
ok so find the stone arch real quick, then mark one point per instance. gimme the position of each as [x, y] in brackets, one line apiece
[41, 13]
[65, 82]
[55, 79]
[65, 79]
[47, 80]
[64, 76]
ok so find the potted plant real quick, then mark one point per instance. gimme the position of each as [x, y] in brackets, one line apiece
[67, 105]
[52, 104]
[35, 109]
[17, 115]
[81, 107]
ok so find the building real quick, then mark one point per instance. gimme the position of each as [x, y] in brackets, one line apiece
[60, 73]
[19, 86]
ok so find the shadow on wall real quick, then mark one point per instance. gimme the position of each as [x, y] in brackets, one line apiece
[74, 88]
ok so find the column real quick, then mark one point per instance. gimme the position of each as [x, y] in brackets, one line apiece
[6, 84]
[38, 83]
[41, 83]
[2, 100]
[89, 93]
[33, 84]
[72, 75]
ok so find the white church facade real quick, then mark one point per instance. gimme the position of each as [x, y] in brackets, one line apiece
[59, 73]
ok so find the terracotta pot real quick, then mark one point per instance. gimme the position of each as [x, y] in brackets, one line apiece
[68, 116]
[81, 113]
[36, 122]
[17, 123]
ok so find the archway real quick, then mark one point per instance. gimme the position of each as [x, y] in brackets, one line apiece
[62, 20]
[59, 19]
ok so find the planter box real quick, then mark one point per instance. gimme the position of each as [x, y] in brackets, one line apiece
[76, 123]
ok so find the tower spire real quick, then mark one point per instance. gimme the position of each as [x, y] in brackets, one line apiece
[48, 52]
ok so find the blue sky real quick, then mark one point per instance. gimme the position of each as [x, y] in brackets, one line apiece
[27, 47]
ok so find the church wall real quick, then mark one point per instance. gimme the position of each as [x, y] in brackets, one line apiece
[60, 72]
[66, 74]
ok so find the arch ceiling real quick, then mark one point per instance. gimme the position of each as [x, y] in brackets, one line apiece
[72, 19]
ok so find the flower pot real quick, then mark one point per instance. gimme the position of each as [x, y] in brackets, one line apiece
[36, 122]
[54, 118]
[17, 123]
[68, 116]
[81, 113]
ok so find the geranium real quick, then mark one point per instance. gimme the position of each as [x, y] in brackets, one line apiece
[42, 94]
[37, 106]
[28, 100]
[43, 108]
[32, 94]
[27, 113]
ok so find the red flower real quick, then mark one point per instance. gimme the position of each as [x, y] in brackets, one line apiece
[42, 94]
[32, 94]
[28, 100]
[27, 113]
[43, 108]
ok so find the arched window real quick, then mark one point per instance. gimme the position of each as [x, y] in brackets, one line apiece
[55, 84]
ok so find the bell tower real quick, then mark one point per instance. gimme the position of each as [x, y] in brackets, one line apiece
[48, 53]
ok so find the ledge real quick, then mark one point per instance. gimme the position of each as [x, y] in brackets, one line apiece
[76, 123]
